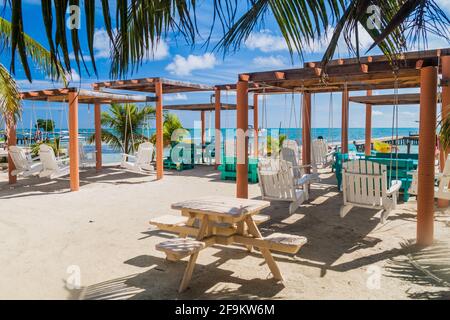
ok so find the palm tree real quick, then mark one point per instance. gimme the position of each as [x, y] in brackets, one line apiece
[124, 123]
[10, 104]
[172, 124]
[141, 24]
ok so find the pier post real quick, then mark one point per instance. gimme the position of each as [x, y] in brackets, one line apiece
[345, 106]
[306, 134]
[218, 107]
[242, 140]
[159, 130]
[427, 140]
[11, 136]
[445, 113]
[98, 137]
[74, 155]
[368, 146]
[256, 125]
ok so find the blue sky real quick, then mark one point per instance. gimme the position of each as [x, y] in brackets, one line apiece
[173, 59]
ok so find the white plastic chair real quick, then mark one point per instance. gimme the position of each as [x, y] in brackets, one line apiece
[321, 154]
[142, 161]
[24, 166]
[364, 184]
[87, 159]
[53, 168]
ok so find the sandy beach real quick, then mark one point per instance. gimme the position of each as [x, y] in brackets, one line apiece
[103, 231]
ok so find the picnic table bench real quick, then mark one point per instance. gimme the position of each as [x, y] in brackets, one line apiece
[221, 221]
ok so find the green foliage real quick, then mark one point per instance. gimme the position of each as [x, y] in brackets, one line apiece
[122, 124]
[171, 124]
[444, 132]
[274, 145]
[45, 125]
[55, 145]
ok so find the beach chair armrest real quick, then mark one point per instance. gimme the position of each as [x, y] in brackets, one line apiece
[396, 185]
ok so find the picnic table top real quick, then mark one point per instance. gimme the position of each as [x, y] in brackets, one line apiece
[222, 206]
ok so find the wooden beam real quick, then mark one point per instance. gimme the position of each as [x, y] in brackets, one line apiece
[368, 136]
[345, 117]
[218, 135]
[256, 125]
[246, 77]
[306, 135]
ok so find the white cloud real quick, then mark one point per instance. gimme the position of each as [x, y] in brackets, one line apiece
[266, 42]
[409, 114]
[176, 97]
[73, 76]
[102, 47]
[182, 66]
[377, 113]
[268, 62]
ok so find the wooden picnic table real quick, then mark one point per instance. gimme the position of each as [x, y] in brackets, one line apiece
[221, 221]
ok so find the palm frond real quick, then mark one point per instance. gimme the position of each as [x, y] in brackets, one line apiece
[40, 56]
[10, 102]
[426, 267]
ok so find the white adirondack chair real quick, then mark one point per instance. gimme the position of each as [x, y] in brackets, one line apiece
[24, 166]
[442, 191]
[290, 155]
[365, 185]
[142, 161]
[320, 153]
[53, 168]
[276, 181]
[87, 159]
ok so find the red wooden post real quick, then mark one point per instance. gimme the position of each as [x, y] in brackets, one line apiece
[368, 147]
[445, 113]
[218, 127]
[73, 144]
[12, 141]
[306, 135]
[98, 136]
[256, 124]
[242, 142]
[427, 140]
[345, 106]
[159, 131]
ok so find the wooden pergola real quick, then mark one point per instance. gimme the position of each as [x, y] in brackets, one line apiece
[74, 97]
[159, 87]
[410, 70]
[203, 108]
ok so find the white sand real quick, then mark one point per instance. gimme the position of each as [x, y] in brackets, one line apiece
[104, 230]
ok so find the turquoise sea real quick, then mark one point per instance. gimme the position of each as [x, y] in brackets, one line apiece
[331, 135]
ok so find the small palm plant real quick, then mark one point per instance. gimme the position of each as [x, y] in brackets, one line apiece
[124, 123]
[444, 132]
[171, 124]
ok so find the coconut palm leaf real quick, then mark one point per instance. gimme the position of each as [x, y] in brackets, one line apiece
[141, 24]
[424, 266]
[10, 102]
[124, 123]
[40, 56]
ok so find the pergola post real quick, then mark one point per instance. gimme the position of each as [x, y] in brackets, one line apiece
[345, 107]
[427, 140]
[203, 119]
[73, 144]
[218, 127]
[159, 130]
[11, 135]
[306, 131]
[256, 125]
[98, 137]
[368, 146]
[445, 61]
[242, 142]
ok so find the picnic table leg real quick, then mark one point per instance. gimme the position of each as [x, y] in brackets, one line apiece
[204, 227]
[254, 231]
[188, 273]
[243, 231]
